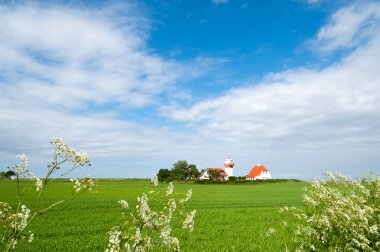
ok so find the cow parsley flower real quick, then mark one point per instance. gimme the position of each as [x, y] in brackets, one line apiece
[339, 215]
[77, 184]
[38, 184]
[188, 196]
[123, 203]
[189, 221]
[270, 232]
[114, 240]
[155, 180]
[170, 189]
[147, 226]
[31, 237]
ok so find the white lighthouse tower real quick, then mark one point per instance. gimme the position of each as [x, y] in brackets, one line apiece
[228, 167]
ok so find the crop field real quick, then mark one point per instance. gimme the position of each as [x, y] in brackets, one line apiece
[229, 217]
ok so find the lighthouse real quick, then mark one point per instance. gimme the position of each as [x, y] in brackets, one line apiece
[228, 167]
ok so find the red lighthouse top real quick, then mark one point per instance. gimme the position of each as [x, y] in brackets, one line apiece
[228, 163]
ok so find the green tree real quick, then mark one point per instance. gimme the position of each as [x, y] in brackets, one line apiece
[180, 169]
[192, 172]
[214, 174]
[7, 174]
[165, 175]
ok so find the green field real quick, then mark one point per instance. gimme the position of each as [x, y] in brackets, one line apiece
[229, 217]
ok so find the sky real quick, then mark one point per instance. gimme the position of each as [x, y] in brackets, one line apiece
[139, 85]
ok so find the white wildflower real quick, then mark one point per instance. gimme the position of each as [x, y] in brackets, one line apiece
[91, 183]
[127, 247]
[70, 154]
[339, 207]
[31, 237]
[38, 184]
[155, 180]
[123, 203]
[14, 243]
[170, 189]
[188, 196]
[21, 169]
[24, 159]
[148, 229]
[172, 204]
[270, 232]
[23, 215]
[114, 240]
[137, 237]
[373, 229]
[189, 221]
[174, 243]
[165, 235]
[77, 184]
[297, 215]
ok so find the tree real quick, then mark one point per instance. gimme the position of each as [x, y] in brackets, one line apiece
[165, 175]
[179, 169]
[192, 172]
[214, 174]
[7, 174]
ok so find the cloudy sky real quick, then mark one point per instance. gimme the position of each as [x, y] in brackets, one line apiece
[293, 85]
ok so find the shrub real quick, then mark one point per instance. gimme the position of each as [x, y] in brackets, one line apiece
[232, 178]
[339, 215]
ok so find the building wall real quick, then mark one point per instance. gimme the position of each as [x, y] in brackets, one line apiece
[204, 175]
[264, 175]
[229, 171]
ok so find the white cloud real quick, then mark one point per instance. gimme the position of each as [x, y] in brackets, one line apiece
[348, 27]
[318, 118]
[84, 75]
[313, 1]
[79, 56]
[75, 73]
[217, 2]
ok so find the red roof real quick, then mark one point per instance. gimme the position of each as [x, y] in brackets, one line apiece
[256, 170]
[221, 170]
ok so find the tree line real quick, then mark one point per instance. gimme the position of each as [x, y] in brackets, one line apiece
[181, 170]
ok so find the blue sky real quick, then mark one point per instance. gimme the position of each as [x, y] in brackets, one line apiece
[293, 85]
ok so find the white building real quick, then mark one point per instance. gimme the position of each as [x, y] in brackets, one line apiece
[223, 174]
[258, 172]
[228, 167]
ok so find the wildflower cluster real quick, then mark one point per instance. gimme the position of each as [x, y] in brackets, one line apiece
[83, 184]
[270, 232]
[21, 169]
[146, 228]
[14, 222]
[70, 154]
[339, 215]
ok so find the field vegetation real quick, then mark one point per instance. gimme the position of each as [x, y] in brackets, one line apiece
[230, 217]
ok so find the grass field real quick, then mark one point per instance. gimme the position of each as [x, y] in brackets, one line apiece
[229, 217]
